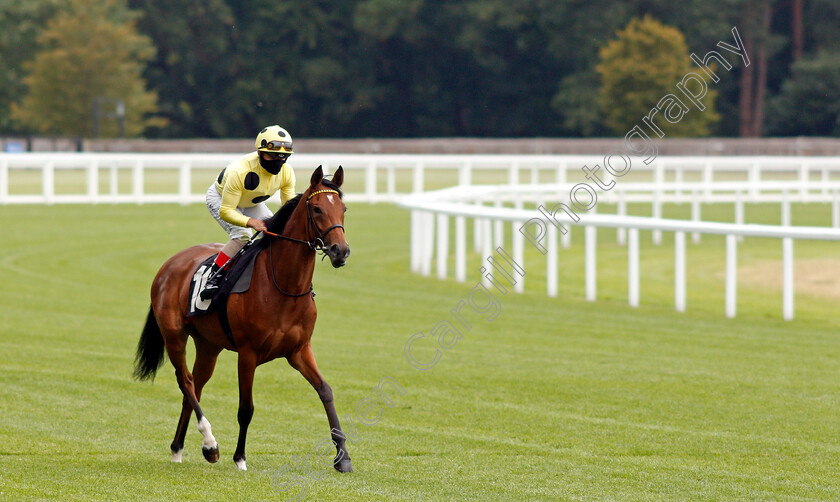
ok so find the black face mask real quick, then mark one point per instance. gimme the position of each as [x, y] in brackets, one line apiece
[272, 166]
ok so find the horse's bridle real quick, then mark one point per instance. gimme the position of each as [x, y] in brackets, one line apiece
[316, 244]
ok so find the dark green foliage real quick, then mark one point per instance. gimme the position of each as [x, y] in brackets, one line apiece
[356, 68]
[809, 103]
[20, 23]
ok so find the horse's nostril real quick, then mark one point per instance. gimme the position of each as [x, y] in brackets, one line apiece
[334, 249]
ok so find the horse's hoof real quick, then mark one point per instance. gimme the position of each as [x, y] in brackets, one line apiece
[211, 454]
[240, 463]
[343, 465]
[176, 456]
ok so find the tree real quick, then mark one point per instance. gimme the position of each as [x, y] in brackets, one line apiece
[93, 52]
[576, 102]
[641, 67]
[194, 64]
[809, 103]
[21, 22]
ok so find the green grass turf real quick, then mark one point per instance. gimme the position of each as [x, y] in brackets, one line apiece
[556, 399]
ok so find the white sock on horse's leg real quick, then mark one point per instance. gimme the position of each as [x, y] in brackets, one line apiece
[204, 427]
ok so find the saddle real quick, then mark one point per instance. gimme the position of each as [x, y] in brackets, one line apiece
[237, 279]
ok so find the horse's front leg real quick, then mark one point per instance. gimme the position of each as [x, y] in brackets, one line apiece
[247, 366]
[304, 361]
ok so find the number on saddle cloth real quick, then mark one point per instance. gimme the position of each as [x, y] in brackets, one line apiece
[237, 277]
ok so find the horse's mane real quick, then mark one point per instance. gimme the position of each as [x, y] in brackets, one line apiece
[277, 223]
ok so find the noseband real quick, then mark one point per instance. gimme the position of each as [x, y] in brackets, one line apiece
[315, 244]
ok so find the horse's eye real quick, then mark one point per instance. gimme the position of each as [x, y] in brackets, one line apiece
[316, 209]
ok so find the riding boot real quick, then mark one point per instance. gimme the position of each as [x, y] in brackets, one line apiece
[217, 274]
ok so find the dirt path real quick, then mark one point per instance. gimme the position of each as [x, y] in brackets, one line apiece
[814, 277]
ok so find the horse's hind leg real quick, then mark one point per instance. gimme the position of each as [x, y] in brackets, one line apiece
[247, 366]
[176, 348]
[304, 361]
[205, 363]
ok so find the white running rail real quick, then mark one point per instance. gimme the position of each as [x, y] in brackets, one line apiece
[432, 209]
[386, 177]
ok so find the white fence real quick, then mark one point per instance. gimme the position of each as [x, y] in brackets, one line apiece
[384, 178]
[388, 178]
[431, 213]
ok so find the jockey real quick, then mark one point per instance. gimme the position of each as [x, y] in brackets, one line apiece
[237, 199]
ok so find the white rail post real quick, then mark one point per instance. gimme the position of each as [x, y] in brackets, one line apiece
[826, 179]
[551, 262]
[513, 173]
[621, 232]
[442, 245]
[518, 253]
[679, 271]
[48, 183]
[633, 267]
[590, 245]
[114, 182]
[739, 211]
[657, 205]
[785, 209]
[565, 238]
[415, 241]
[4, 181]
[695, 215]
[708, 176]
[417, 177]
[137, 182]
[560, 175]
[428, 243]
[787, 278]
[93, 181]
[678, 181]
[465, 174]
[370, 182]
[460, 249]
[185, 183]
[835, 209]
[804, 179]
[731, 275]
[392, 183]
[498, 229]
[486, 247]
[754, 180]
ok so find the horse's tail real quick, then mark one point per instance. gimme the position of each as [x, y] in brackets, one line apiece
[150, 350]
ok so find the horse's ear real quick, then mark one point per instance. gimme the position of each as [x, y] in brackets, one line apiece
[338, 176]
[317, 176]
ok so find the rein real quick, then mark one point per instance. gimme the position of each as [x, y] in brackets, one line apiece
[316, 244]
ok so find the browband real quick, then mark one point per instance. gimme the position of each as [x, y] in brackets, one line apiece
[313, 194]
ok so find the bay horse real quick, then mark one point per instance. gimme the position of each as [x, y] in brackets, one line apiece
[274, 318]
